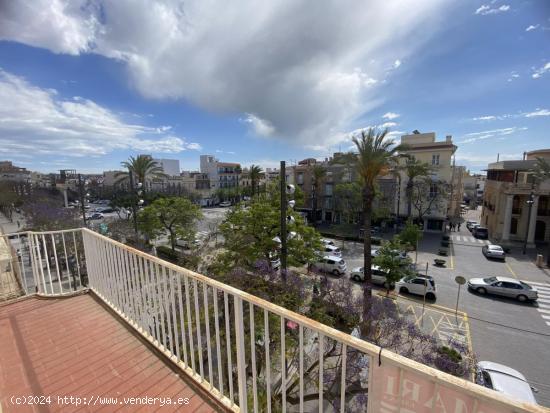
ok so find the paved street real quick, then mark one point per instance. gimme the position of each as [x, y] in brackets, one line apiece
[502, 330]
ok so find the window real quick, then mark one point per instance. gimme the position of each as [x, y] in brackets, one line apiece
[328, 189]
[300, 178]
[433, 190]
[435, 159]
[514, 226]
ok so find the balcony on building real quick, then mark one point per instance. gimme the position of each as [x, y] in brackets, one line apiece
[85, 316]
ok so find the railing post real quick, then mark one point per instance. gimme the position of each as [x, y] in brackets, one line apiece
[241, 362]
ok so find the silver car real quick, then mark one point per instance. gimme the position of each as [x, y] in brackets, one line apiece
[505, 380]
[493, 251]
[504, 286]
[378, 276]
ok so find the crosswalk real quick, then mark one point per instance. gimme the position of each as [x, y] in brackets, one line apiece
[470, 239]
[544, 299]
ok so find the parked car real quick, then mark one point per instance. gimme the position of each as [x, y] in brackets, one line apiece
[505, 380]
[334, 265]
[418, 285]
[225, 204]
[470, 223]
[493, 251]
[481, 233]
[95, 215]
[505, 287]
[186, 244]
[332, 250]
[378, 276]
[473, 227]
[327, 241]
[375, 251]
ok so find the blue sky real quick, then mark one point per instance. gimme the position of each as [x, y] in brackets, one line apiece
[85, 84]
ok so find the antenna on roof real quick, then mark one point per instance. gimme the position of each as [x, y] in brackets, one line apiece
[498, 156]
[416, 132]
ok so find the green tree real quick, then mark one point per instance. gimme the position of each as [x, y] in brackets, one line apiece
[390, 261]
[376, 156]
[177, 216]
[251, 235]
[255, 175]
[414, 169]
[410, 235]
[143, 167]
[348, 201]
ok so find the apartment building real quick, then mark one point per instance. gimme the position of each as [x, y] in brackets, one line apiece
[170, 167]
[220, 174]
[12, 173]
[436, 207]
[515, 206]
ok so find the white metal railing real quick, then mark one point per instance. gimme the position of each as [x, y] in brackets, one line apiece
[248, 353]
[49, 263]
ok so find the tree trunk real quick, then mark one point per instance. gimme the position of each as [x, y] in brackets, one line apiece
[409, 197]
[367, 260]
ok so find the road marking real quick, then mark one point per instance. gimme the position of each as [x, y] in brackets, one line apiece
[543, 289]
[511, 270]
[544, 306]
[538, 283]
[545, 316]
[540, 310]
[543, 300]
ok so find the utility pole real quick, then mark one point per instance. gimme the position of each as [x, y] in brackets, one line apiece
[82, 198]
[283, 220]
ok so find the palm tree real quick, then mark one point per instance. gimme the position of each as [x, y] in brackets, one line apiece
[254, 174]
[414, 169]
[319, 173]
[142, 167]
[376, 157]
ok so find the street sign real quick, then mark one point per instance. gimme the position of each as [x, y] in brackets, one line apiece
[460, 280]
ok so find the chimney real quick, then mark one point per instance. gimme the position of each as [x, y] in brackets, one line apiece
[449, 138]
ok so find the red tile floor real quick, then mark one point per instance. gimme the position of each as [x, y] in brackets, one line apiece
[75, 347]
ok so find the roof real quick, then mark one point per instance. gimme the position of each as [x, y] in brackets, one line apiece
[508, 381]
[508, 280]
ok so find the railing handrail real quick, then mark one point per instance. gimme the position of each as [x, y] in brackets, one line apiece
[376, 352]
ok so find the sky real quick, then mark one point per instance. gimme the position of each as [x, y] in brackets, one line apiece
[84, 84]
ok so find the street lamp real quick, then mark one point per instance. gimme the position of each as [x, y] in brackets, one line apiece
[530, 202]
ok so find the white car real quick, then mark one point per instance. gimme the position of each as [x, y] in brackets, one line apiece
[493, 251]
[334, 265]
[378, 275]
[327, 241]
[186, 244]
[505, 380]
[418, 285]
[332, 250]
[225, 204]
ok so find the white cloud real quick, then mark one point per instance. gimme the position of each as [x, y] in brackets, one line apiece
[495, 133]
[531, 27]
[476, 161]
[396, 64]
[537, 113]
[485, 9]
[388, 125]
[390, 115]
[490, 117]
[260, 126]
[538, 72]
[38, 121]
[253, 58]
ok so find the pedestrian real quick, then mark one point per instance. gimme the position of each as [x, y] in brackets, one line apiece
[18, 224]
[459, 224]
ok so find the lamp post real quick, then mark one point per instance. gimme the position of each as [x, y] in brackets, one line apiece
[530, 202]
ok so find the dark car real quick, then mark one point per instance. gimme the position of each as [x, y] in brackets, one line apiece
[481, 233]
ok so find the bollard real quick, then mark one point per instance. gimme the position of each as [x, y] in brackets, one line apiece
[539, 261]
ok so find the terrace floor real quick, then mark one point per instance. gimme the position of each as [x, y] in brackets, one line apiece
[75, 347]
